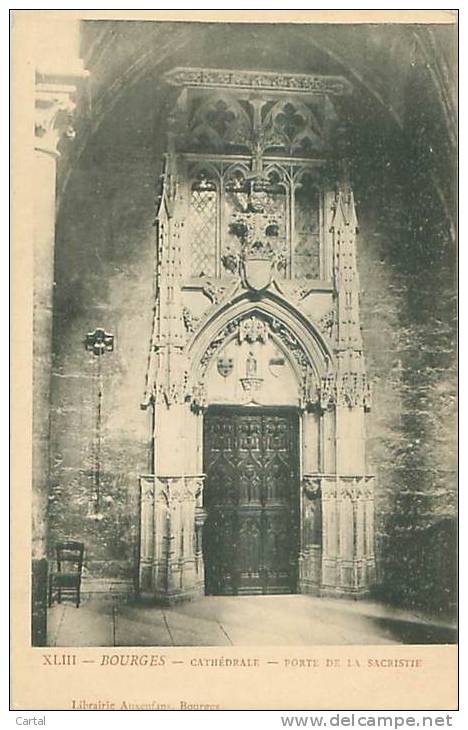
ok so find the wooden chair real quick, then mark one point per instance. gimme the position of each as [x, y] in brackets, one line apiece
[67, 578]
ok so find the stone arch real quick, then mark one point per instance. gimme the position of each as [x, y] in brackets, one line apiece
[309, 351]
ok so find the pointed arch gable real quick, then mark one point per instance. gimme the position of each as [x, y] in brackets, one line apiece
[297, 333]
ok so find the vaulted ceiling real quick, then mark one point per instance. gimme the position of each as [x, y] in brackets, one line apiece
[127, 102]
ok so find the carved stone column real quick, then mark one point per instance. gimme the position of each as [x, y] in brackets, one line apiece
[330, 533]
[172, 518]
[348, 558]
[356, 561]
[171, 558]
[348, 563]
[54, 103]
[147, 547]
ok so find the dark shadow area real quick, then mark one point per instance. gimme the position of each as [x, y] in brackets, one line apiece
[407, 632]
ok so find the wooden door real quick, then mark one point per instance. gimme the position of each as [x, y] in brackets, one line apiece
[250, 542]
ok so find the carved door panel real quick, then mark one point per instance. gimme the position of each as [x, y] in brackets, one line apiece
[250, 541]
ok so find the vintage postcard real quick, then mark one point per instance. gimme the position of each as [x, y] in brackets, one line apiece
[234, 376]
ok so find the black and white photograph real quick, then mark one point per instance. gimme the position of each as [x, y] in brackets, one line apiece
[244, 415]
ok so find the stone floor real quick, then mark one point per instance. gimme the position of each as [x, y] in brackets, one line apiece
[298, 620]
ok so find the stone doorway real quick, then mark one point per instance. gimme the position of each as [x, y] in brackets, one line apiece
[251, 496]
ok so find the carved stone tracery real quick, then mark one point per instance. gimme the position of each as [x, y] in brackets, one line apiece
[258, 222]
[348, 389]
[356, 488]
[327, 322]
[173, 490]
[199, 397]
[214, 291]
[171, 391]
[253, 329]
[248, 326]
[261, 80]
[190, 320]
[353, 390]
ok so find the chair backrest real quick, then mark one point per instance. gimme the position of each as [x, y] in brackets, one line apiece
[71, 553]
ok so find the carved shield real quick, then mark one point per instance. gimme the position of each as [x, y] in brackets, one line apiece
[258, 272]
[225, 366]
[276, 364]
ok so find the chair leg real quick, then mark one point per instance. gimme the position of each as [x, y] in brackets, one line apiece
[59, 596]
[77, 597]
[50, 591]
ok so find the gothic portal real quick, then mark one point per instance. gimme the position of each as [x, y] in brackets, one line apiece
[256, 375]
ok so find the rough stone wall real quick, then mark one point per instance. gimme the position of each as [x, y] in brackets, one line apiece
[408, 275]
[104, 278]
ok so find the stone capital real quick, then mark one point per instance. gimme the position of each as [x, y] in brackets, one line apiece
[59, 72]
[54, 107]
[357, 488]
[57, 85]
[147, 489]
